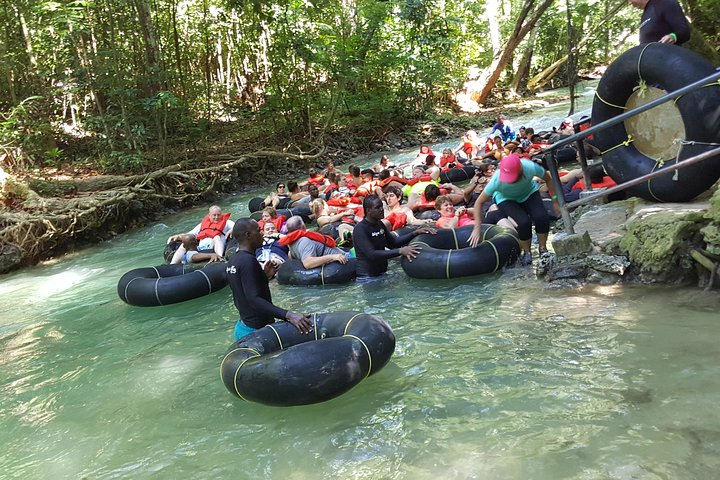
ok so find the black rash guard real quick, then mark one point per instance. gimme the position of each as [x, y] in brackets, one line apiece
[370, 241]
[663, 17]
[251, 292]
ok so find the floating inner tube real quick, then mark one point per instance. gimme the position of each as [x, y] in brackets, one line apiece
[292, 272]
[663, 135]
[277, 365]
[256, 204]
[168, 284]
[453, 175]
[446, 254]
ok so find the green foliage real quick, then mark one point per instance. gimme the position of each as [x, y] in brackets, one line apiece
[301, 68]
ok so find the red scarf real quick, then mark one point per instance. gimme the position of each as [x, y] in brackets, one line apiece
[294, 236]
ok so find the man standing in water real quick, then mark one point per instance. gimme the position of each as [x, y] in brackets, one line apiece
[249, 284]
[662, 21]
[371, 236]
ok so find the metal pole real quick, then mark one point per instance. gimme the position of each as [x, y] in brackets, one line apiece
[649, 176]
[555, 177]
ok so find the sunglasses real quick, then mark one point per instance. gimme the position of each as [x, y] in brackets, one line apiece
[281, 186]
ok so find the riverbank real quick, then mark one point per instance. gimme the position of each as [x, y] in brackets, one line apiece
[48, 213]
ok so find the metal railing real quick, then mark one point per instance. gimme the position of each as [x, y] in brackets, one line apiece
[577, 138]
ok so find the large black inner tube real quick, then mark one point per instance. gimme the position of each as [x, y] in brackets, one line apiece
[277, 365]
[168, 284]
[669, 68]
[453, 175]
[292, 272]
[447, 254]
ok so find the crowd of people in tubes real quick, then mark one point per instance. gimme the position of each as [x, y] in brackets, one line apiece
[373, 214]
[509, 187]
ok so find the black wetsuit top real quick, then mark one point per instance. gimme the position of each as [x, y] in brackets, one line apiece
[662, 17]
[251, 292]
[370, 241]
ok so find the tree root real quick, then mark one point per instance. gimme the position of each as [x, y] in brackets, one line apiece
[41, 227]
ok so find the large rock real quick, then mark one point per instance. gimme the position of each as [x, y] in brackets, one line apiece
[566, 244]
[10, 257]
[659, 238]
[605, 223]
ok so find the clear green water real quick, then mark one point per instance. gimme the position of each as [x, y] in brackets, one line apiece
[493, 377]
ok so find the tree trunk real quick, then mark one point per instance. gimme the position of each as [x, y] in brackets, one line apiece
[571, 58]
[519, 32]
[524, 67]
[539, 80]
[152, 54]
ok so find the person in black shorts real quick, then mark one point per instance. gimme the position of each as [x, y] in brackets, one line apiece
[249, 284]
[371, 236]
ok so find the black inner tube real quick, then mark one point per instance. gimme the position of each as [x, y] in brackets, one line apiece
[277, 365]
[447, 254]
[668, 67]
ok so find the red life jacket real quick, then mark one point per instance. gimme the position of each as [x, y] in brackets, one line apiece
[607, 182]
[397, 220]
[278, 221]
[319, 180]
[209, 229]
[296, 235]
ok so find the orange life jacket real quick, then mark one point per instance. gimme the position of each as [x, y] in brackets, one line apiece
[294, 236]
[210, 229]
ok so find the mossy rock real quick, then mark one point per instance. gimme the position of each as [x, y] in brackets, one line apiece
[658, 243]
[713, 214]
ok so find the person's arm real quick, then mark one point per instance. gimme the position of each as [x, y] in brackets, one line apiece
[675, 17]
[476, 235]
[205, 257]
[364, 245]
[314, 262]
[552, 192]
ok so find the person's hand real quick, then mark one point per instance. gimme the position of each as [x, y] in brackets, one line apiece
[340, 257]
[475, 236]
[214, 257]
[422, 230]
[349, 213]
[270, 268]
[172, 238]
[669, 39]
[300, 321]
[410, 251]
[460, 212]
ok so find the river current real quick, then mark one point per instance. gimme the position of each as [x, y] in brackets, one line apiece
[493, 377]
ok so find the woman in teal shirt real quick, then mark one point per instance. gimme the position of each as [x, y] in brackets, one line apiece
[516, 194]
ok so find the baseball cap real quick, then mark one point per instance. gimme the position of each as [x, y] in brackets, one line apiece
[510, 168]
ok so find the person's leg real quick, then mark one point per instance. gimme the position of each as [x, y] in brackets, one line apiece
[535, 208]
[178, 255]
[515, 211]
[219, 245]
[524, 225]
[241, 330]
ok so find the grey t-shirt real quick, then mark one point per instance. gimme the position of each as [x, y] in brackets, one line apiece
[304, 247]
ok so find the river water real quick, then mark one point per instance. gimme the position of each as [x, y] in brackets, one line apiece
[492, 377]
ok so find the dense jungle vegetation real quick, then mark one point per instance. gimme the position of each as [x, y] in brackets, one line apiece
[96, 88]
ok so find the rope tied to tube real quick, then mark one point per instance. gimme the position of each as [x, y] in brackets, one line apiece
[626, 143]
